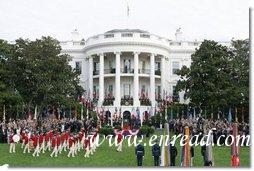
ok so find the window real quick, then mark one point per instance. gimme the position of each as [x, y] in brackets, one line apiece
[175, 95]
[143, 67]
[109, 64]
[95, 91]
[96, 68]
[175, 66]
[109, 36]
[127, 88]
[145, 35]
[127, 35]
[143, 89]
[158, 90]
[110, 90]
[127, 66]
[78, 66]
[158, 66]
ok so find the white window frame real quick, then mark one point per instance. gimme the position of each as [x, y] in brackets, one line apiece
[172, 68]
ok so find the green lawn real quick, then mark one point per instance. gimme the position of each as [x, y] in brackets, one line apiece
[106, 156]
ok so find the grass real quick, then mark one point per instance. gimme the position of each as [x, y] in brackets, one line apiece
[106, 156]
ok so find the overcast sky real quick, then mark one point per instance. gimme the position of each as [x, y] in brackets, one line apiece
[199, 19]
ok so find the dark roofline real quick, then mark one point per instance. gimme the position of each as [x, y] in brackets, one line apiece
[127, 30]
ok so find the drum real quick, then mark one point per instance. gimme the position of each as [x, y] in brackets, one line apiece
[16, 138]
[31, 144]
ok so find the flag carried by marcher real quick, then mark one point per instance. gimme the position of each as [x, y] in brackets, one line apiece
[82, 112]
[35, 112]
[185, 150]
[165, 153]
[235, 159]
[229, 115]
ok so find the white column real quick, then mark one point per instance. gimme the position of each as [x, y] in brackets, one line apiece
[91, 77]
[162, 76]
[117, 81]
[152, 80]
[136, 81]
[101, 80]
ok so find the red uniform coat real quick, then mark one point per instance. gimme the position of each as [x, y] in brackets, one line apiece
[58, 140]
[51, 135]
[23, 135]
[47, 137]
[11, 138]
[63, 135]
[119, 138]
[53, 141]
[26, 139]
[87, 142]
[71, 141]
[67, 136]
[41, 138]
[80, 136]
[35, 139]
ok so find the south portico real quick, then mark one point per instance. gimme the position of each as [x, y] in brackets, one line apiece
[137, 67]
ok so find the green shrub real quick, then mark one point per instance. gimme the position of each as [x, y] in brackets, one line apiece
[106, 130]
[146, 130]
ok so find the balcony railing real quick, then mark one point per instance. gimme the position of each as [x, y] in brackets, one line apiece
[145, 101]
[108, 101]
[110, 71]
[176, 98]
[157, 72]
[96, 72]
[127, 70]
[127, 101]
[144, 71]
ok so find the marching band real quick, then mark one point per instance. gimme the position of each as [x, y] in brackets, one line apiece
[55, 141]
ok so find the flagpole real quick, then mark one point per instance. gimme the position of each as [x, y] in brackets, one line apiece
[82, 116]
[236, 119]
[242, 115]
[87, 113]
[4, 117]
[205, 112]
[35, 113]
[128, 14]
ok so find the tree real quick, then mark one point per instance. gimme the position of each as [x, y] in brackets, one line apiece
[42, 74]
[204, 81]
[239, 59]
[8, 94]
[218, 75]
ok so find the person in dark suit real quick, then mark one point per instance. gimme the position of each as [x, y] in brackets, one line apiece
[156, 151]
[192, 154]
[173, 154]
[203, 153]
[140, 153]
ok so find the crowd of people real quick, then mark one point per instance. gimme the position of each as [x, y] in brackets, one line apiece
[54, 135]
[218, 126]
[57, 135]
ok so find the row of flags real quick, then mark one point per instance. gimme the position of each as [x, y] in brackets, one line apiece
[186, 159]
[193, 114]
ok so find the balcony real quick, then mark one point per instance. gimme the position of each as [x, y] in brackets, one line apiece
[109, 101]
[110, 71]
[127, 101]
[158, 98]
[144, 71]
[127, 70]
[144, 101]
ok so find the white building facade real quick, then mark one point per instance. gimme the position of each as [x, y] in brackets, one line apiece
[129, 69]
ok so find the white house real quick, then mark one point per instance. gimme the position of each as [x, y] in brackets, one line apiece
[129, 68]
